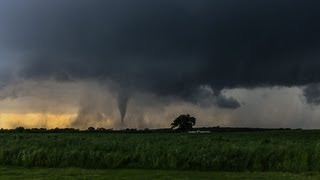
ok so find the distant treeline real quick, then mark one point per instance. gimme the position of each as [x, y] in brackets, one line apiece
[130, 130]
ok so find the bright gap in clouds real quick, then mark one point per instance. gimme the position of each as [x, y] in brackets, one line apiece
[38, 120]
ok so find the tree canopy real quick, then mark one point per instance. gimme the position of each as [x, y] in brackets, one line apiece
[183, 123]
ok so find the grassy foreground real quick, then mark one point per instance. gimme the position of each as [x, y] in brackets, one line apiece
[283, 151]
[73, 173]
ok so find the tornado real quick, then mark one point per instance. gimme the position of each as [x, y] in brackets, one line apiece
[123, 99]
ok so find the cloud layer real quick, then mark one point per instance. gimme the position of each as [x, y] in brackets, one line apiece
[166, 46]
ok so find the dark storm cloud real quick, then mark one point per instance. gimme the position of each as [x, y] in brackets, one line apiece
[312, 94]
[206, 97]
[224, 102]
[168, 47]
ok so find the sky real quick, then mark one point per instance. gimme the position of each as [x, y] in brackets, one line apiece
[140, 64]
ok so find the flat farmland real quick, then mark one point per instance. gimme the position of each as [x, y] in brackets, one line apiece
[8, 173]
[273, 151]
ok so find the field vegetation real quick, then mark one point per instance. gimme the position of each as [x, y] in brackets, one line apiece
[285, 150]
[89, 174]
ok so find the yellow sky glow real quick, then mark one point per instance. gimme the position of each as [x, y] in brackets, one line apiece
[36, 120]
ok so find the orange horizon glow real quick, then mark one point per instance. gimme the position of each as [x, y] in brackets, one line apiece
[36, 120]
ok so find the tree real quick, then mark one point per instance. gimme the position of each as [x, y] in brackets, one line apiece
[19, 129]
[183, 123]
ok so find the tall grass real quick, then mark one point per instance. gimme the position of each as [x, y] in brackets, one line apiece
[294, 151]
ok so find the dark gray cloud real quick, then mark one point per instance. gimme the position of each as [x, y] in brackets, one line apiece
[227, 102]
[312, 94]
[168, 47]
[206, 97]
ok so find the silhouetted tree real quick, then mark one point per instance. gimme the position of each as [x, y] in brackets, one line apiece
[100, 129]
[19, 129]
[91, 129]
[183, 123]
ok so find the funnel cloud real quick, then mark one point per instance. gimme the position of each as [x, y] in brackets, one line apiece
[122, 105]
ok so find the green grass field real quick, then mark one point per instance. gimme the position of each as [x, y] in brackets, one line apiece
[274, 151]
[73, 173]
